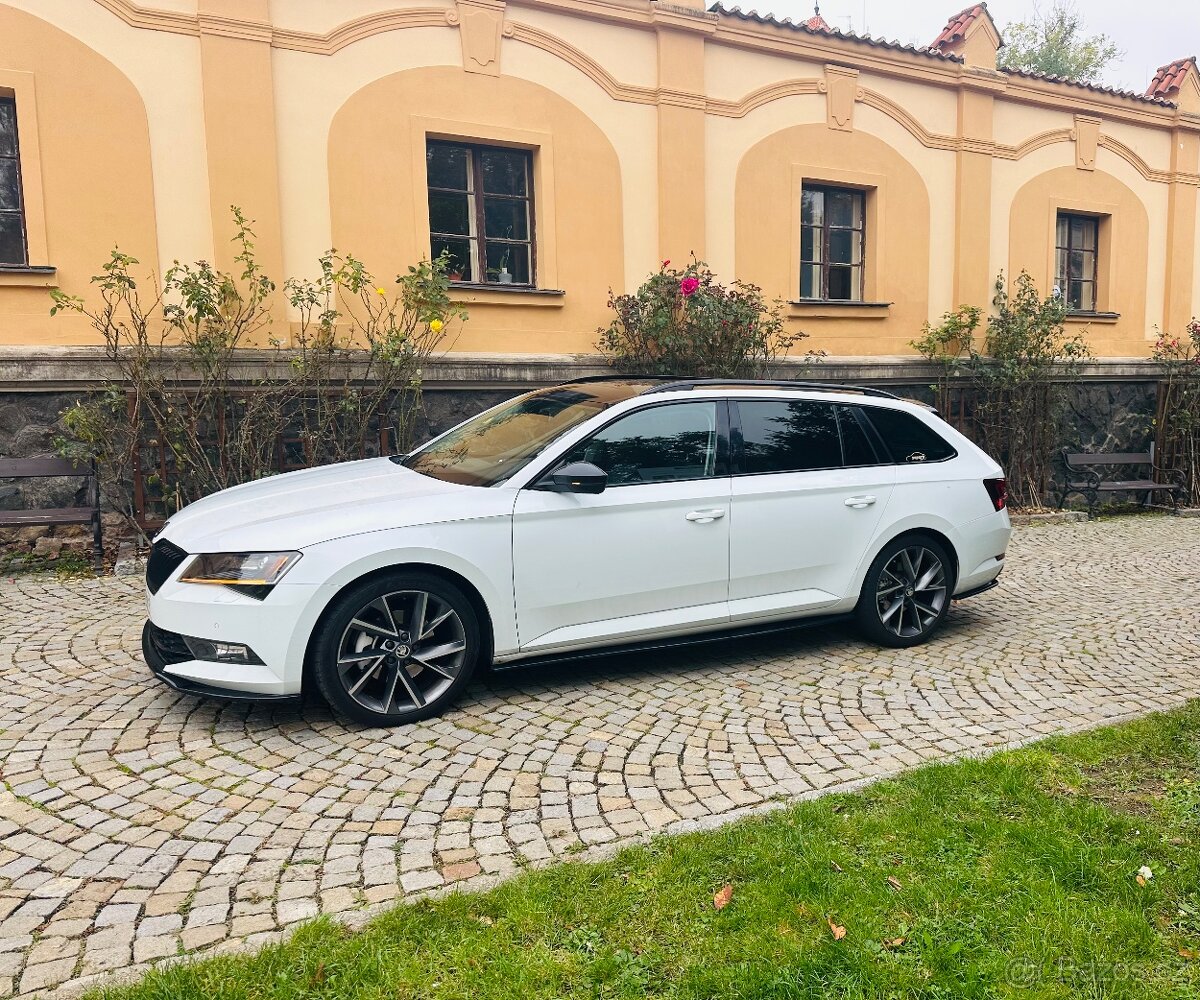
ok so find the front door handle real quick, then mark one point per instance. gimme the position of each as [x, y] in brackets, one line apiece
[859, 503]
[705, 516]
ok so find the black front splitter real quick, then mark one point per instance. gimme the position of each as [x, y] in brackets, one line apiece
[184, 685]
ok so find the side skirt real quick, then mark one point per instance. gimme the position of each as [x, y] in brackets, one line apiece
[677, 642]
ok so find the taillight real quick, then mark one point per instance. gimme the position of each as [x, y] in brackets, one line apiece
[998, 491]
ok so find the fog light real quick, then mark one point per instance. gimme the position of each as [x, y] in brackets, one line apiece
[220, 652]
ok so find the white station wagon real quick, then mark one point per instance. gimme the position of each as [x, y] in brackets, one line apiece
[609, 512]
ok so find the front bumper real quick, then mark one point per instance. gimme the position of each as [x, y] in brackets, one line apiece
[276, 629]
[169, 660]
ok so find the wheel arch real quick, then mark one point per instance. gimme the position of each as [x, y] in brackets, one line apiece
[939, 537]
[469, 589]
[911, 531]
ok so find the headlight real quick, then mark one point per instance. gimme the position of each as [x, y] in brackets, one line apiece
[246, 569]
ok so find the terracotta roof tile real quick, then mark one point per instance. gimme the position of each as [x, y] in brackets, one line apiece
[1170, 77]
[1097, 88]
[817, 23]
[969, 14]
[956, 27]
[824, 29]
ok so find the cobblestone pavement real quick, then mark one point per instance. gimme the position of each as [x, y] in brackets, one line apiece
[136, 823]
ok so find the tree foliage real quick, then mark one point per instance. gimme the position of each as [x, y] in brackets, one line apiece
[1056, 42]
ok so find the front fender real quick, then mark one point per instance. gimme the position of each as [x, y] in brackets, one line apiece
[479, 551]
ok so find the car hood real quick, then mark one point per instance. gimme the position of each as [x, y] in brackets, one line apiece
[298, 509]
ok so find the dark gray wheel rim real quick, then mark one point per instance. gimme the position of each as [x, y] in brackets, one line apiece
[911, 592]
[401, 652]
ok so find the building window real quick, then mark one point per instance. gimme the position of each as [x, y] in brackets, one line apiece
[1076, 240]
[12, 219]
[832, 225]
[481, 211]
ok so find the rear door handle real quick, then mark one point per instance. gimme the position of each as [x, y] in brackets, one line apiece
[858, 503]
[705, 516]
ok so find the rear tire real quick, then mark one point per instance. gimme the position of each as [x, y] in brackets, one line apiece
[397, 648]
[906, 593]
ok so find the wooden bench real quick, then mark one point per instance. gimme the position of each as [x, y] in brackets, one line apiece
[1082, 474]
[40, 468]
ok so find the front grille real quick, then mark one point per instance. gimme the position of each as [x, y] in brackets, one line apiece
[169, 646]
[164, 560]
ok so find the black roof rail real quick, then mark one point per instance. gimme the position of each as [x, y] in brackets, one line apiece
[750, 383]
[619, 377]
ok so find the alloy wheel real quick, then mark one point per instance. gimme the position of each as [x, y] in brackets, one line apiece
[401, 651]
[912, 592]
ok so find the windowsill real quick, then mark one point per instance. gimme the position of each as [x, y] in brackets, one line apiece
[1083, 316]
[489, 293]
[838, 309]
[33, 275]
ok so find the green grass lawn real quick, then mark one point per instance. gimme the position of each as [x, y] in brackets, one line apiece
[1011, 877]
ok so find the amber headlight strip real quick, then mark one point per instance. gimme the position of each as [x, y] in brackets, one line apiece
[239, 569]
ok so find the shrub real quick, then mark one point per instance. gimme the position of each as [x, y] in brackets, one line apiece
[949, 346]
[1177, 425]
[1022, 384]
[684, 322]
[1017, 383]
[349, 382]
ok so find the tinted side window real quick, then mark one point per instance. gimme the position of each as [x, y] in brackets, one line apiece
[907, 438]
[779, 436]
[655, 445]
[856, 446]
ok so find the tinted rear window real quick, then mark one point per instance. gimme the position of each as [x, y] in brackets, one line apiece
[782, 436]
[906, 437]
[856, 446]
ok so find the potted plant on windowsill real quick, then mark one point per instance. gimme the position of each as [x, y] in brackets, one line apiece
[502, 275]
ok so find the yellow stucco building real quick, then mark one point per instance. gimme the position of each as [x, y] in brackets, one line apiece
[560, 148]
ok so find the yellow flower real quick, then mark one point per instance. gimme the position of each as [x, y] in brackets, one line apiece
[436, 325]
[381, 291]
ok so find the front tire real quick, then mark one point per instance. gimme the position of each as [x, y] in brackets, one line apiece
[397, 648]
[906, 593]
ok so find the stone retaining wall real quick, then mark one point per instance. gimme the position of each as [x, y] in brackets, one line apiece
[1110, 409]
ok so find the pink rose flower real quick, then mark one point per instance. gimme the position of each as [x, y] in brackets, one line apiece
[688, 287]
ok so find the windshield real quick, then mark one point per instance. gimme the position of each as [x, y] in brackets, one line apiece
[495, 445]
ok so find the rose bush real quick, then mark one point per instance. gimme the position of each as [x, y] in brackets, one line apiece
[684, 322]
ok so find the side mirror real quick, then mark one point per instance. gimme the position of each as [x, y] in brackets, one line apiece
[579, 477]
